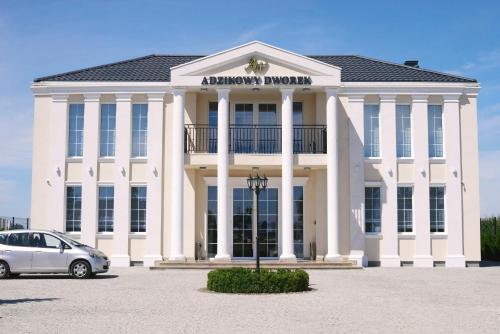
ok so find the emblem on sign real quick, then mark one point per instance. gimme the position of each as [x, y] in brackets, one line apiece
[256, 66]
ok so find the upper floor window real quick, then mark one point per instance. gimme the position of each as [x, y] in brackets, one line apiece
[405, 209]
[372, 142]
[403, 131]
[436, 196]
[75, 130]
[139, 130]
[435, 118]
[298, 117]
[106, 208]
[372, 210]
[138, 209]
[73, 208]
[212, 126]
[108, 127]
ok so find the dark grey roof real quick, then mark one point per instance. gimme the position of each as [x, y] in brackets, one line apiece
[157, 68]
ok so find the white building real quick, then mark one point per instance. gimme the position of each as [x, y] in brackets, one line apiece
[367, 160]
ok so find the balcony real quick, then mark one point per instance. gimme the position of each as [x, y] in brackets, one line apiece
[255, 139]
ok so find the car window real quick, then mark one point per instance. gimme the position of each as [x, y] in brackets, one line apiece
[37, 240]
[51, 241]
[19, 239]
[3, 239]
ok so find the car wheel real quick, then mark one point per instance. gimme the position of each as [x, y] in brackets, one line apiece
[80, 270]
[4, 270]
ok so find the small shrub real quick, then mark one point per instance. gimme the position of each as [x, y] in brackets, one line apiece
[242, 280]
[490, 238]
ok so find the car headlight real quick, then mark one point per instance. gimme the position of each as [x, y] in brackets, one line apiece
[94, 255]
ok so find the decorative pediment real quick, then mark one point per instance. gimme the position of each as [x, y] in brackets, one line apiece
[255, 63]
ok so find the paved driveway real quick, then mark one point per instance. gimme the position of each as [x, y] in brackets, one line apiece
[374, 300]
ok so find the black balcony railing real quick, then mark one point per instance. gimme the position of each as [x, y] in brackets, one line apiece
[251, 139]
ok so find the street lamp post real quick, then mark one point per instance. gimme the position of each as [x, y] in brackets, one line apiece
[256, 184]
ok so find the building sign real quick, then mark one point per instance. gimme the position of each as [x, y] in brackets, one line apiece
[258, 67]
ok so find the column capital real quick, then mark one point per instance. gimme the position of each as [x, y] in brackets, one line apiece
[286, 91]
[419, 98]
[178, 90]
[223, 92]
[356, 98]
[123, 97]
[451, 98]
[60, 97]
[387, 98]
[331, 91]
[156, 97]
[91, 97]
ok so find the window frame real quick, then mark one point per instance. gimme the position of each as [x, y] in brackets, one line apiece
[68, 132]
[138, 185]
[66, 186]
[411, 156]
[407, 185]
[371, 156]
[101, 155]
[445, 224]
[132, 131]
[99, 186]
[443, 155]
[381, 188]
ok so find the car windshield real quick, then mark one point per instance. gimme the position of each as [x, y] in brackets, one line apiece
[68, 240]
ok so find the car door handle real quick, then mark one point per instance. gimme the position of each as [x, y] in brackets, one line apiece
[38, 251]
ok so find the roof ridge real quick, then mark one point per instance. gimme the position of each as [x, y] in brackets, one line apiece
[93, 67]
[415, 68]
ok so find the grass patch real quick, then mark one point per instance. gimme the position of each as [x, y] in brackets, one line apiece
[244, 280]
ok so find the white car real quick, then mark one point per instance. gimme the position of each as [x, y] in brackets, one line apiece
[44, 252]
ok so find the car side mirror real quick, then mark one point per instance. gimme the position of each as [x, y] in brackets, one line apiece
[61, 247]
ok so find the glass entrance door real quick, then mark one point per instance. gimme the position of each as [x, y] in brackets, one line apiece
[268, 222]
[242, 223]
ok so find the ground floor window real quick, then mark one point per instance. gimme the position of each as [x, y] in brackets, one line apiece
[106, 208]
[242, 222]
[436, 196]
[298, 221]
[73, 208]
[405, 209]
[138, 209]
[212, 221]
[372, 209]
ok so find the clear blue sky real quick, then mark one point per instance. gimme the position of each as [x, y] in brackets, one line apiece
[46, 37]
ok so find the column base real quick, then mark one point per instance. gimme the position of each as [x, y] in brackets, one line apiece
[423, 261]
[222, 258]
[289, 258]
[455, 261]
[150, 260]
[390, 261]
[332, 258]
[177, 258]
[120, 261]
[360, 258]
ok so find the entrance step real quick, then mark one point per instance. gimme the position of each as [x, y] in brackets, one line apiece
[341, 264]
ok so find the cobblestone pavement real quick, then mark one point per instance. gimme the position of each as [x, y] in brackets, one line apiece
[373, 300]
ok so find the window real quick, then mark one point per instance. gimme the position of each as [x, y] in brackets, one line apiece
[42, 240]
[212, 221]
[403, 131]
[243, 132]
[405, 209]
[19, 240]
[372, 209]
[298, 130]
[108, 127]
[3, 239]
[73, 208]
[139, 130]
[298, 117]
[435, 131]
[268, 133]
[106, 208]
[267, 221]
[242, 222]
[372, 147]
[298, 221]
[437, 209]
[138, 209]
[75, 130]
[212, 126]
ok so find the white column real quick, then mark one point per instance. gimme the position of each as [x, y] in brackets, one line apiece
[421, 214]
[57, 171]
[390, 243]
[90, 154]
[453, 196]
[222, 174]
[154, 212]
[287, 253]
[177, 178]
[357, 179]
[121, 228]
[332, 171]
